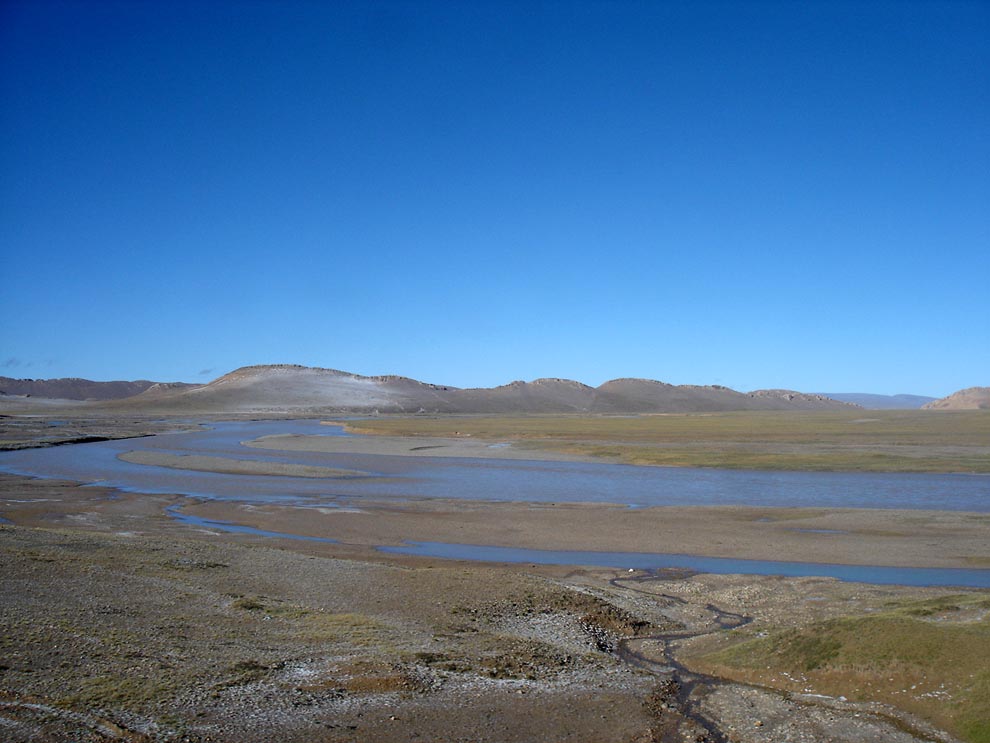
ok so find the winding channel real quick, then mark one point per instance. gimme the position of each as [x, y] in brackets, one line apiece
[403, 477]
[678, 685]
[392, 477]
[679, 690]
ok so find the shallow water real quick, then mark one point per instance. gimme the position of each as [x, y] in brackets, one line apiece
[176, 513]
[397, 477]
[721, 565]
[480, 479]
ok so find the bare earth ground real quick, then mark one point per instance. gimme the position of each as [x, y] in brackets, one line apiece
[119, 623]
[851, 537]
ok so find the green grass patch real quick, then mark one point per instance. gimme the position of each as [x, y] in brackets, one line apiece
[130, 693]
[931, 658]
[249, 603]
[355, 629]
[314, 625]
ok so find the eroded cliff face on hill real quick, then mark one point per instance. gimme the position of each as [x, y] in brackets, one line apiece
[872, 401]
[971, 398]
[803, 400]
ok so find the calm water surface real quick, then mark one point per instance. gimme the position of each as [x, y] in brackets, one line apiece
[481, 479]
[878, 574]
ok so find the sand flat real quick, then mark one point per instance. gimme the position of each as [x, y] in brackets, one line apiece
[229, 466]
[937, 539]
[407, 446]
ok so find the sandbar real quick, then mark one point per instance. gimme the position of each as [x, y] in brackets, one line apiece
[406, 446]
[228, 466]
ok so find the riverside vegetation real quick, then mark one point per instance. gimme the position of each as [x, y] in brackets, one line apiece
[930, 657]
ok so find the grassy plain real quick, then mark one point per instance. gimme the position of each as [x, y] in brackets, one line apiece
[854, 440]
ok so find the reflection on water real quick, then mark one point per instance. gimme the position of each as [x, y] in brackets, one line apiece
[720, 565]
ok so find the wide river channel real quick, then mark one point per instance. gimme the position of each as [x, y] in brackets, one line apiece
[404, 477]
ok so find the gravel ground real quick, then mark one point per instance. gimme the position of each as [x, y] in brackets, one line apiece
[111, 637]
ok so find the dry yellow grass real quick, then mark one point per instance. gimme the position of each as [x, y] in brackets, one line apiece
[863, 440]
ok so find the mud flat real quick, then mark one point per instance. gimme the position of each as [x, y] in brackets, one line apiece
[922, 539]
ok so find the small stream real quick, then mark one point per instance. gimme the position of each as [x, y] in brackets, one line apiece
[877, 574]
[676, 700]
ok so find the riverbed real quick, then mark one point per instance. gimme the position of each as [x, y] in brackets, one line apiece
[488, 504]
[479, 479]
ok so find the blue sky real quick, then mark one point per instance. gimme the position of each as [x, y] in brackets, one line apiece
[749, 194]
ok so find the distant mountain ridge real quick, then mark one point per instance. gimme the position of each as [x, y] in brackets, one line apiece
[310, 390]
[74, 388]
[291, 388]
[882, 402]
